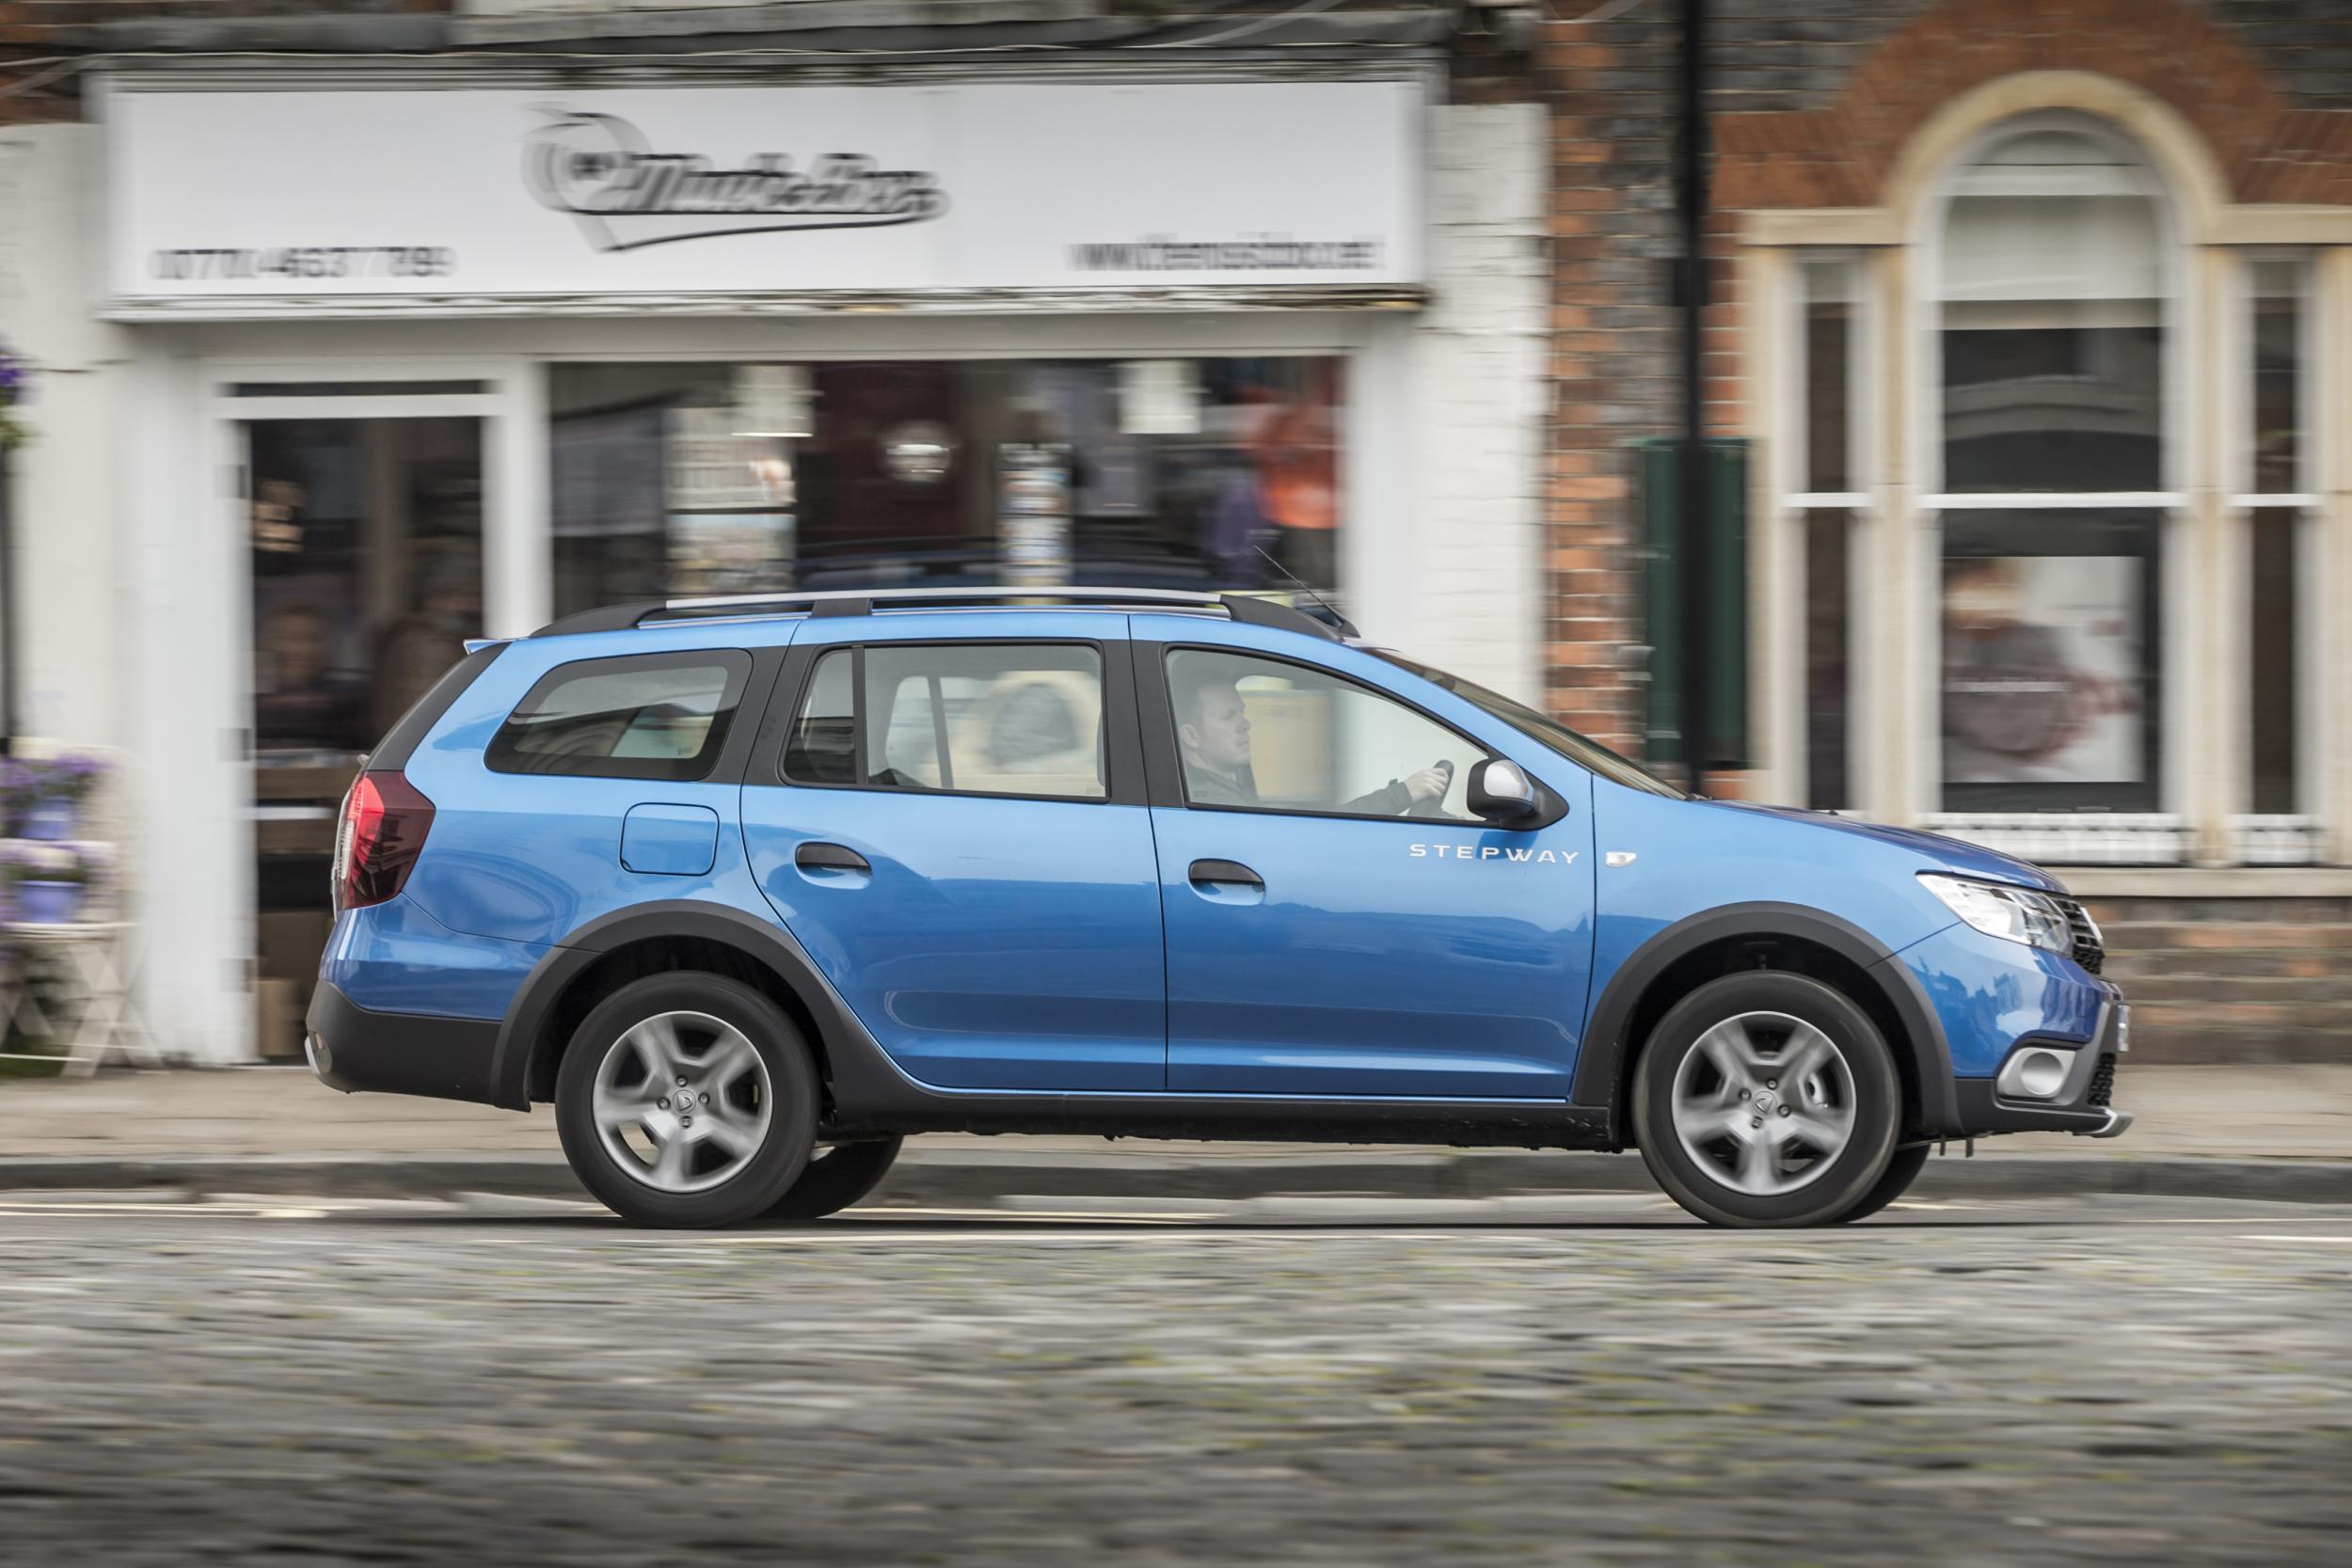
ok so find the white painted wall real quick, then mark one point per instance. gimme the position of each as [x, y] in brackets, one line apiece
[68, 573]
[1470, 541]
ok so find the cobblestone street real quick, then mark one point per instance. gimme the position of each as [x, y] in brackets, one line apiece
[1574, 1380]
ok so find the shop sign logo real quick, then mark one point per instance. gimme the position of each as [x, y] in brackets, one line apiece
[626, 195]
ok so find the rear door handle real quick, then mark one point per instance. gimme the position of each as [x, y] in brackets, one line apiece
[1225, 871]
[816, 856]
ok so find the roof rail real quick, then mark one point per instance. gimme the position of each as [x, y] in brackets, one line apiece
[865, 601]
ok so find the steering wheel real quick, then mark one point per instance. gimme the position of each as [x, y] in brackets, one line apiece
[1435, 805]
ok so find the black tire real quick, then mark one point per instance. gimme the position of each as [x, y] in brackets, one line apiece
[1830, 1185]
[1902, 1169]
[766, 1172]
[837, 1177]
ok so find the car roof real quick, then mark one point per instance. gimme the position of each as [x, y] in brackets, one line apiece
[1255, 610]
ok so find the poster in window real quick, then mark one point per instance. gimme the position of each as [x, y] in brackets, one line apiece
[2043, 672]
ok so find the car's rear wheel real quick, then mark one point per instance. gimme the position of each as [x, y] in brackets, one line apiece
[686, 1100]
[1902, 1169]
[837, 1177]
[1767, 1099]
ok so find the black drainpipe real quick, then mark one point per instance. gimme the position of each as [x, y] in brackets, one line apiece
[1691, 569]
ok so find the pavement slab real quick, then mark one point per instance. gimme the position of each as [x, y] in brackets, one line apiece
[2278, 1132]
[2256, 1112]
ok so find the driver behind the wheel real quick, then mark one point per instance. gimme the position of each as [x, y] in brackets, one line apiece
[1213, 733]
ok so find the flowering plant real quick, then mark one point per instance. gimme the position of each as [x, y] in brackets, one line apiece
[20, 786]
[28, 859]
[68, 778]
[13, 377]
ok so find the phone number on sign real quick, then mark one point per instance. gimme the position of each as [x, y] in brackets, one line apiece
[312, 260]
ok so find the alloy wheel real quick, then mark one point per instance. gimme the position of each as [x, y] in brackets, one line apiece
[681, 1101]
[1764, 1103]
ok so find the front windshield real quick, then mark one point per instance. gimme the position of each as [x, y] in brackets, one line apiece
[1581, 749]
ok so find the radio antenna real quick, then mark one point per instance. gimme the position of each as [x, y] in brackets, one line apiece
[1347, 627]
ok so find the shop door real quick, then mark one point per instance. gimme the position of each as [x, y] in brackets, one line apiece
[365, 539]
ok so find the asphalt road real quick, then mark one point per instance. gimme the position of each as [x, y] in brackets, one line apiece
[1593, 1380]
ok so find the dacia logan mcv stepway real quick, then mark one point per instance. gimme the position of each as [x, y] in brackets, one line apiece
[752, 889]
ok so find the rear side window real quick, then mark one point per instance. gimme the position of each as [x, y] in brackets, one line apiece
[652, 716]
[965, 718]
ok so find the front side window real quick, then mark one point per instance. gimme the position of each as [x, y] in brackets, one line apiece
[1258, 733]
[661, 716]
[968, 719]
[1582, 749]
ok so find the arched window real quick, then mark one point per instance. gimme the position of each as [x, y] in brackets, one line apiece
[2052, 265]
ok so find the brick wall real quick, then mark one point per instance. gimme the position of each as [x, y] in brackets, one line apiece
[1612, 85]
[2233, 979]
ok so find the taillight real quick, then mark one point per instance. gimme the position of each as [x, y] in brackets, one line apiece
[385, 820]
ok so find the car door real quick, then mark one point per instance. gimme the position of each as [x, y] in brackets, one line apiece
[1320, 940]
[955, 828]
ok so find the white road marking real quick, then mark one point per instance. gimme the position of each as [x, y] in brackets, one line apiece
[1111, 1216]
[2298, 1240]
[2230, 1219]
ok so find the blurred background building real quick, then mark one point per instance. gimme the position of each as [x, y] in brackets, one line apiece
[357, 328]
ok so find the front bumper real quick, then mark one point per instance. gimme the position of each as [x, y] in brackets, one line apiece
[2081, 1103]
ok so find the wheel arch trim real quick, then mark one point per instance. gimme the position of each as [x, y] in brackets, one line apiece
[1605, 1060]
[521, 1032]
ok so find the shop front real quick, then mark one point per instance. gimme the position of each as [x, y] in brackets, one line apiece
[418, 362]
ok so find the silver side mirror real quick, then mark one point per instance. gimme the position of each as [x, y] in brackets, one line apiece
[1500, 791]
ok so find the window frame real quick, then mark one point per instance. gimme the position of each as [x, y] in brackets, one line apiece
[1166, 755]
[709, 765]
[1787, 540]
[2169, 670]
[2245, 508]
[1122, 759]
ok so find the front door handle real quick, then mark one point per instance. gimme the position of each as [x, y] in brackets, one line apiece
[1231, 872]
[817, 856]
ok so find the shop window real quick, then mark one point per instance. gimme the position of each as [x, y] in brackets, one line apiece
[2052, 287]
[673, 481]
[2054, 297]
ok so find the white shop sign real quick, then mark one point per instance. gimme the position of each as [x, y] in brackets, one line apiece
[482, 196]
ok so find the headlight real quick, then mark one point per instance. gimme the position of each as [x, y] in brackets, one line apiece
[2017, 913]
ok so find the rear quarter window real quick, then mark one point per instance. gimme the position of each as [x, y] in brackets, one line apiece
[648, 716]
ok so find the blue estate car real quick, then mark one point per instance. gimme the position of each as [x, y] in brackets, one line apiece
[752, 888]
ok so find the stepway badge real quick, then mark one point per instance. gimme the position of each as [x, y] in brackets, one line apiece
[626, 195]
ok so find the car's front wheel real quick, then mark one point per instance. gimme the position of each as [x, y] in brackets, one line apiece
[1767, 1099]
[686, 1100]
